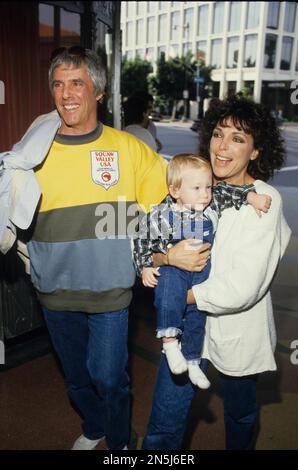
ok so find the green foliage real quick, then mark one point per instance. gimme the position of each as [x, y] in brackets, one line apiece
[134, 76]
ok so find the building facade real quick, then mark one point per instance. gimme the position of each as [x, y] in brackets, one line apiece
[249, 44]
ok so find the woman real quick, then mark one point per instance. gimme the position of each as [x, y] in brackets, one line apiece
[136, 120]
[243, 143]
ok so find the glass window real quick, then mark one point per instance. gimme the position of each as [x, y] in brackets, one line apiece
[130, 9]
[273, 15]
[201, 50]
[233, 52]
[175, 20]
[290, 15]
[163, 5]
[150, 54]
[216, 53]
[129, 55]
[250, 84]
[70, 28]
[162, 28]
[185, 48]
[46, 22]
[218, 17]
[150, 29]
[175, 4]
[253, 13]
[270, 51]
[235, 16]
[296, 68]
[188, 23]
[129, 33]
[161, 50]
[174, 50]
[141, 8]
[140, 53]
[203, 20]
[286, 53]
[250, 51]
[151, 7]
[231, 88]
[140, 31]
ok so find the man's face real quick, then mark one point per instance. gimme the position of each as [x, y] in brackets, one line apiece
[73, 93]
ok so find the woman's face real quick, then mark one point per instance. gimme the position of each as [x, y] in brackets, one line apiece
[231, 149]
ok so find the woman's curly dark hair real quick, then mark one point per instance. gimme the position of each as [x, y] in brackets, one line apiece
[253, 119]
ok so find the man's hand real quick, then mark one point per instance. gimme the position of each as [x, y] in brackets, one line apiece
[184, 256]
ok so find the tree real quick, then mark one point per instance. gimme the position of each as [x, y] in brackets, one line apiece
[175, 75]
[134, 75]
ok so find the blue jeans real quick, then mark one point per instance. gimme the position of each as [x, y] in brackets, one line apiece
[172, 400]
[93, 353]
[174, 315]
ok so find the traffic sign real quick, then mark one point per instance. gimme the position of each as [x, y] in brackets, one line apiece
[199, 80]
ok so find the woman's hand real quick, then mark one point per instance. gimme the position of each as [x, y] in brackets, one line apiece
[190, 299]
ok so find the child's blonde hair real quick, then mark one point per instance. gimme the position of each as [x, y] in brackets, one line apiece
[179, 163]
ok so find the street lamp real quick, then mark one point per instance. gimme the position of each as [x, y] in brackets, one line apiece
[185, 91]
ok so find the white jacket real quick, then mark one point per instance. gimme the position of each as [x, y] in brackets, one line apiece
[19, 189]
[240, 332]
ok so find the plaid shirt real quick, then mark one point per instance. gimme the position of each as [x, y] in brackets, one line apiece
[157, 229]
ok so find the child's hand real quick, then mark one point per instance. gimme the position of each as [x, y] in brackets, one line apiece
[148, 277]
[260, 202]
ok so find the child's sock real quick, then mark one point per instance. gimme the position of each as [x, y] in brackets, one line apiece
[175, 358]
[197, 376]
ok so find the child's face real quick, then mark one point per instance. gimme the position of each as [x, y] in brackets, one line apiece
[196, 189]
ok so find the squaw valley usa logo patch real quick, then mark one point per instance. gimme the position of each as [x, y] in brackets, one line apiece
[105, 167]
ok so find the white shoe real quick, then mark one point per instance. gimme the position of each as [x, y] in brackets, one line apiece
[83, 443]
[197, 376]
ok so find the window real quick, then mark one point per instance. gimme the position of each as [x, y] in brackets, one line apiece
[70, 28]
[140, 53]
[253, 13]
[250, 84]
[218, 17]
[161, 50]
[185, 48]
[273, 15]
[130, 9]
[235, 16]
[46, 23]
[140, 31]
[270, 51]
[129, 55]
[203, 20]
[233, 52]
[216, 53]
[150, 29]
[151, 7]
[162, 28]
[290, 15]
[296, 67]
[175, 20]
[141, 8]
[250, 50]
[129, 33]
[286, 53]
[188, 23]
[174, 50]
[231, 88]
[150, 54]
[201, 50]
[163, 5]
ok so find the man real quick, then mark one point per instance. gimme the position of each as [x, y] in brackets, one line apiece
[84, 282]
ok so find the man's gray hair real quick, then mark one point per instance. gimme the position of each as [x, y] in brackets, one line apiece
[76, 56]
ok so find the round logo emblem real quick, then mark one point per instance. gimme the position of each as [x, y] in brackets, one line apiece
[106, 176]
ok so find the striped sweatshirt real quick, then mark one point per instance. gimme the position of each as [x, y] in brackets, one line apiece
[80, 252]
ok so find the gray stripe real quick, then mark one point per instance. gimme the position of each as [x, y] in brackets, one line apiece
[86, 301]
[79, 139]
[92, 265]
[80, 222]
